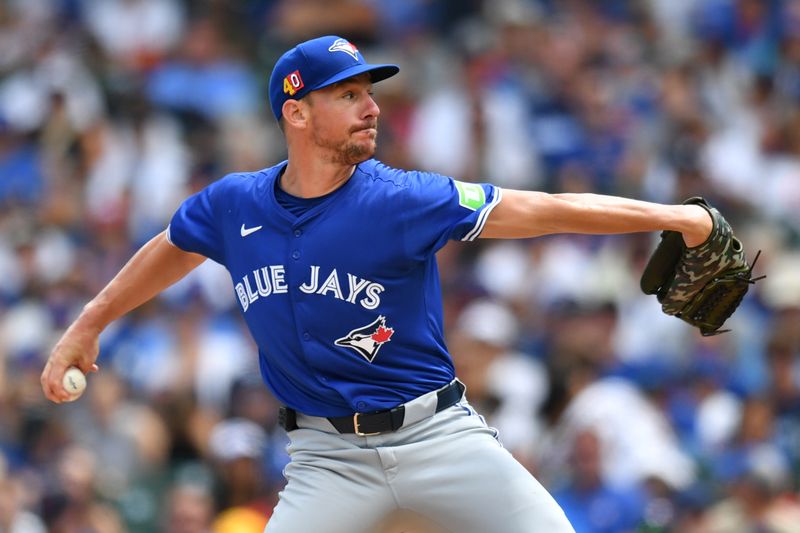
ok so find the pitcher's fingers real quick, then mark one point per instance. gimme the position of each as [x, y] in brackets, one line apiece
[88, 369]
[50, 392]
[47, 388]
[52, 377]
[44, 379]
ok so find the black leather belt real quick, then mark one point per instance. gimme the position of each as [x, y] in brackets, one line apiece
[377, 422]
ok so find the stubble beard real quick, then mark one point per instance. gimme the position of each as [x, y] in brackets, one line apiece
[353, 154]
[349, 152]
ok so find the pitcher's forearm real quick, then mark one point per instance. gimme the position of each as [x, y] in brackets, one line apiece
[156, 266]
[619, 215]
[529, 214]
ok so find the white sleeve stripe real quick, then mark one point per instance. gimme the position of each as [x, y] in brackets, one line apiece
[478, 228]
[169, 236]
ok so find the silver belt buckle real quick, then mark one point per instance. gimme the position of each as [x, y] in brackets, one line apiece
[356, 427]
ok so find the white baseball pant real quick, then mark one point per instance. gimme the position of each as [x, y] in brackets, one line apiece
[449, 468]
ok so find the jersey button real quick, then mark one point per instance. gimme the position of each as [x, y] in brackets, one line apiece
[297, 233]
[361, 405]
[306, 336]
[296, 254]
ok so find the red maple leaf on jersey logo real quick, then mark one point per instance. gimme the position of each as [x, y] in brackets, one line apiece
[382, 334]
[367, 340]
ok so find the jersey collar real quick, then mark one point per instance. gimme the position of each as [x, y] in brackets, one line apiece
[289, 216]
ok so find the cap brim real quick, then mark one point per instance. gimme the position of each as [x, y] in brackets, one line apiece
[377, 73]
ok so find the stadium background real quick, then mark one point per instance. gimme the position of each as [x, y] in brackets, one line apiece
[112, 111]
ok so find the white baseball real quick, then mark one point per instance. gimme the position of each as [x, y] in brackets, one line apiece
[74, 382]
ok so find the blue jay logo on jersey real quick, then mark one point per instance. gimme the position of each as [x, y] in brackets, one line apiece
[342, 45]
[368, 339]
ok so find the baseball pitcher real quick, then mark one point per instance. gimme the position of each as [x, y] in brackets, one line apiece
[332, 259]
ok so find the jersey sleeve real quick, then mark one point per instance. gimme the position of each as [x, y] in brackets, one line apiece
[195, 225]
[440, 208]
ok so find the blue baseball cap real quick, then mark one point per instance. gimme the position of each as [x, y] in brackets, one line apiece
[315, 64]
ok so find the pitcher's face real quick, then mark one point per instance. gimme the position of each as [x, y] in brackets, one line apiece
[344, 119]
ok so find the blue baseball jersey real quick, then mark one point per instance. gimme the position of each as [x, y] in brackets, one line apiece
[343, 300]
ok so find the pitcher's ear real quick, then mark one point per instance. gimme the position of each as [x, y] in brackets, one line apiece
[295, 113]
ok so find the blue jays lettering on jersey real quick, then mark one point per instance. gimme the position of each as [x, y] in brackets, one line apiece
[343, 300]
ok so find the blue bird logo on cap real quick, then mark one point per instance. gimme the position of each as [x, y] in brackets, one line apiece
[343, 45]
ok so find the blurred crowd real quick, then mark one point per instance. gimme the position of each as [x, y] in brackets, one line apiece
[113, 111]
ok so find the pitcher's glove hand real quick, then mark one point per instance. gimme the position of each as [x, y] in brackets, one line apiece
[702, 285]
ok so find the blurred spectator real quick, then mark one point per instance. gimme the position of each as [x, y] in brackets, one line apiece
[754, 441]
[21, 167]
[140, 175]
[135, 33]
[99, 423]
[505, 386]
[756, 499]
[222, 85]
[299, 20]
[636, 440]
[190, 509]
[589, 503]
[14, 518]
[238, 448]
[784, 363]
[472, 121]
[71, 505]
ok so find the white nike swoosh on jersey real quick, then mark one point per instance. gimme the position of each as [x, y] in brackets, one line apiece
[247, 231]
